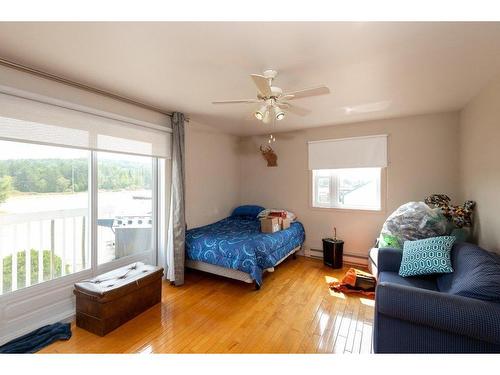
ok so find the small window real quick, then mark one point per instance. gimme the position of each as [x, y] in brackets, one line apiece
[353, 188]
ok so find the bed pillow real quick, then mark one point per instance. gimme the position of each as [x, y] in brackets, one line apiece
[247, 211]
[427, 257]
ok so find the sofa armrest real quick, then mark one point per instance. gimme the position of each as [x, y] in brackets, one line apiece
[459, 315]
[389, 260]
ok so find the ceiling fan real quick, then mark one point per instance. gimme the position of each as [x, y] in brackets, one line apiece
[274, 101]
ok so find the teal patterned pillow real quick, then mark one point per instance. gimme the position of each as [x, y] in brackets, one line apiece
[426, 257]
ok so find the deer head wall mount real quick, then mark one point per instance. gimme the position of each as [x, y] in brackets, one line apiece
[270, 156]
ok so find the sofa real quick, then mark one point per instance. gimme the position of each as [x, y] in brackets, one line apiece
[457, 312]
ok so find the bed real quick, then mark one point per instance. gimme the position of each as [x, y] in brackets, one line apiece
[235, 247]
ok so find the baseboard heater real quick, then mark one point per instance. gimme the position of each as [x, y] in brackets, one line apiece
[318, 254]
[315, 253]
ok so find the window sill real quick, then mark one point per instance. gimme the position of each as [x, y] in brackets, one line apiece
[46, 286]
[71, 279]
[380, 211]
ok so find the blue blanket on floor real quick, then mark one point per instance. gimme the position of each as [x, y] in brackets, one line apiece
[238, 243]
[38, 339]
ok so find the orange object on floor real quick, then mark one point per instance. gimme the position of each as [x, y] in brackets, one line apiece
[356, 281]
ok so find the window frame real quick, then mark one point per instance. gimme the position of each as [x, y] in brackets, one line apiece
[152, 254]
[94, 269]
[27, 309]
[334, 189]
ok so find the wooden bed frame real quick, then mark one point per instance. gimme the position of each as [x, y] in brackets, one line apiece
[232, 273]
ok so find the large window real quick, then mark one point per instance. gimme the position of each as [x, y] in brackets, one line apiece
[82, 192]
[353, 188]
[46, 204]
[44, 211]
[79, 191]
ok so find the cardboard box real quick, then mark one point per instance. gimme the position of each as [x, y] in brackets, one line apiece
[269, 225]
[273, 224]
[285, 223]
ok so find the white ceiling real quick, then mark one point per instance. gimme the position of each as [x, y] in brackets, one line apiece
[374, 70]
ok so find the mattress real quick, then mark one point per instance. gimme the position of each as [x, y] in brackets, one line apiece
[237, 243]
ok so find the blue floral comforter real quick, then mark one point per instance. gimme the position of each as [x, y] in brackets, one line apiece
[238, 243]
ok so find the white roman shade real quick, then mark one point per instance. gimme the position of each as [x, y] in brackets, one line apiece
[359, 152]
[42, 122]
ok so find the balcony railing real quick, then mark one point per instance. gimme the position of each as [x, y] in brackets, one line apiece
[41, 246]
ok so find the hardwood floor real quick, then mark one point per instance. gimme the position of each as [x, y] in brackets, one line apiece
[294, 312]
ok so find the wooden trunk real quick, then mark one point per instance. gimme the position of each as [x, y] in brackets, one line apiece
[109, 300]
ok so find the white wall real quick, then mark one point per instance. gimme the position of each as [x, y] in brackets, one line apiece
[423, 154]
[480, 163]
[212, 174]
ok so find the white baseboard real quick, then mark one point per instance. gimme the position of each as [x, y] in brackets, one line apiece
[65, 317]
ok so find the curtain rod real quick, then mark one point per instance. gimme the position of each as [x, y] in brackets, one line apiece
[53, 77]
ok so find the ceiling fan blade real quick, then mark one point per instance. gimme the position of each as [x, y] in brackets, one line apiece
[313, 91]
[262, 84]
[236, 101]
[296, 110]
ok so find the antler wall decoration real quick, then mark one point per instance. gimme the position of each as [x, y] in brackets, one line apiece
[270, 156]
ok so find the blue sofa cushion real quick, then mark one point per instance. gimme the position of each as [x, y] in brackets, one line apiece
[427, 256]
[422, 282]
[477, 273]
[247, 211]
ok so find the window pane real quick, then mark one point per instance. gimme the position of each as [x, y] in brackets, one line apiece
[359, 187]
[124, 225]
[44, 211]
[322, 188]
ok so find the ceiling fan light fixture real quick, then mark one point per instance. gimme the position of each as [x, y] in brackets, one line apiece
[278, 113]
[272, 97]
[261, 113]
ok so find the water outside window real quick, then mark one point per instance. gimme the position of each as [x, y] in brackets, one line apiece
[44, 211]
